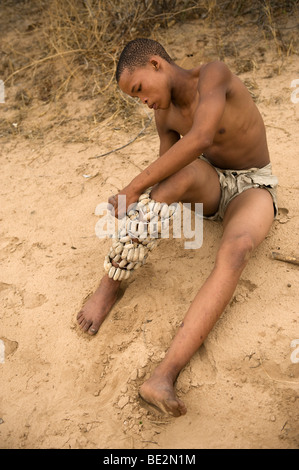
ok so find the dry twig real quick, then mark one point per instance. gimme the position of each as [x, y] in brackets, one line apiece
[125, 145]
[286, 259]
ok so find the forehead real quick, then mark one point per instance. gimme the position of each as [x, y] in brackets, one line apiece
[130, 78]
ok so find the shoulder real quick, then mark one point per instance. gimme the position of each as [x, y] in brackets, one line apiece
[217, 67]
[214, 74]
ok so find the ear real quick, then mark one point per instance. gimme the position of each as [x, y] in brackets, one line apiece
[155, 63]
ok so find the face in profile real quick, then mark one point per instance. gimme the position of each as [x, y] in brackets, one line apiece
[148, 83]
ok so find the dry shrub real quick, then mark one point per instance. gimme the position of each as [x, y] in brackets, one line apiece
[56, 46]
[89, 35]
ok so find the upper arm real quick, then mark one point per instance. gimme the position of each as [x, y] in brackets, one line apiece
[213, 86]
[168, 137]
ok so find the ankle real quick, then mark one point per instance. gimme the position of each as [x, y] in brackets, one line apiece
[166, 372]
[109, 284]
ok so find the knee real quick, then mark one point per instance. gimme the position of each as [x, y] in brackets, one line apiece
[174, 188]
[235, 251]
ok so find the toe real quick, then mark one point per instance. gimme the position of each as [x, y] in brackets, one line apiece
[176, 407]
[172, 408]
[182, 408]
[86, 326]
[92, 331]
[81, 321]
[80, 315]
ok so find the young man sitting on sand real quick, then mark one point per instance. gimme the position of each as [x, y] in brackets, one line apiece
[213, 150]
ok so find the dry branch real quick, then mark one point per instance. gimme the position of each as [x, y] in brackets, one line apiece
[286, 259]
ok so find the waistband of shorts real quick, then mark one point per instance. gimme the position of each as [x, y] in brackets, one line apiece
[265, 170]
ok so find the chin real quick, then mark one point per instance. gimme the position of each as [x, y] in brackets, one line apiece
[164, 106]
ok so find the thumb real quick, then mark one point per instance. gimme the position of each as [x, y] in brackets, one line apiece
[112, 200]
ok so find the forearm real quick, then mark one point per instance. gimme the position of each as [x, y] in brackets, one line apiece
[177, 157]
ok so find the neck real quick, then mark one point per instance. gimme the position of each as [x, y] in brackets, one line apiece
[182, 91]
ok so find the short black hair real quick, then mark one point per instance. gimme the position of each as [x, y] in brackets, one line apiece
[137, 53]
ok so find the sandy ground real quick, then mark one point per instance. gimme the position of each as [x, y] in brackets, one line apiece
[63, 389]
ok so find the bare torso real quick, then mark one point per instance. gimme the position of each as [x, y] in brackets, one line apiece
[240, 141]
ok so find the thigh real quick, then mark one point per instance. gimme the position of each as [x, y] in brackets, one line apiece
[251, 213]
[196, 182]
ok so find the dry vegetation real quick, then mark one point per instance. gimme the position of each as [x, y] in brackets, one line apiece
[51, 48]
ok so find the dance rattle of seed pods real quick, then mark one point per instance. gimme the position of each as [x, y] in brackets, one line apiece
[139, 233]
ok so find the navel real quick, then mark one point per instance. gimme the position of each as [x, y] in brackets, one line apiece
[222, 130]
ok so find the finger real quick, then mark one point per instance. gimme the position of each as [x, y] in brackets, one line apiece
[112, 199]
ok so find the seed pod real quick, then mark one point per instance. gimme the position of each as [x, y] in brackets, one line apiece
[127, 275]
[123, 263]
[152, 245]
[107, 266]
[116, 258]
[149, 216]
[141, 253]
[125, 239]
[133, 212]
[143, 196]
[130, 255]
[145, 201]
[165, 224]
[119, 248]
[122, 232]
[141, 228]
[157, 208]
[116, 274]
[129, 246]
[136, 255]
[151, 205]
[130, 266]
[125, 253]
[164, 211]
[133, 227]
[111, 271]
[172, 210]
[122, 275]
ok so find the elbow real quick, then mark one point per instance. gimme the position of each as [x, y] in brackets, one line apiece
[205, 143]
[202, 143]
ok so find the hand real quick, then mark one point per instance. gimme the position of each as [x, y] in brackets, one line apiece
[120, 204]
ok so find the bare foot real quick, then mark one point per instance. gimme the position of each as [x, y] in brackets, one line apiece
[97, 307]
[158, 391]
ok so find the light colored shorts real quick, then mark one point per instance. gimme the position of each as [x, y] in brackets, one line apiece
[234, 182]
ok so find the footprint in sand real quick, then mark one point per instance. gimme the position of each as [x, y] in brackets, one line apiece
[7, 347]
[245, 286]
[203, 370]
[10, 298]
[9, 245]
[33, 300]
[282, 216]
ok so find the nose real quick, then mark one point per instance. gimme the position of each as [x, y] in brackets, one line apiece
[144, 100]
